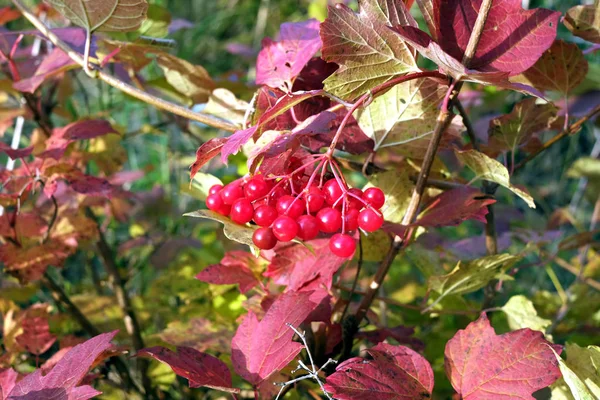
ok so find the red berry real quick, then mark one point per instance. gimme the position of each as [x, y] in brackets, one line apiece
[308, 227]
[214, 202]
[231, 192]
[315, 199]
[291, 206]
[215, 189]
[375, 197]
[333, 192]
[355, 202]
[265, 215]
[351, 219]
[256, 188]
[242, 211]
[285, 228]
[370, 220]
[342, 245]
[277, 193]
[264, 238]
[330, 220]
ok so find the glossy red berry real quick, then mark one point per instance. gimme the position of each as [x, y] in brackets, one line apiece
[342, 245]
[374, 196]
[264, 239]
[351, 219]
[285, 228]
[354, 199]
[370, 220]
[315, 199]
[215, 189]
[308, 227]
[265, 215]
[330, 220]
[333, 192]
[231, 192]
[214, 202]
[291, 206]
[276, 194]
[256, 188]
[242, 211]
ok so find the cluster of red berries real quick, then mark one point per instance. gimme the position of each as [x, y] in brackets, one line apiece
[283, 215]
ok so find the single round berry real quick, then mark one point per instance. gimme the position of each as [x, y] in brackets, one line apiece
[291, 206]
[276, 194]
[214, 202]
[224, 210]
[354, 201]
[264, 239]
[342, 245]
[231, 192]
[285, 228]
[374, 196]
[333, 192]
[369, 220]
[351, 219]
[215, 189]
[330, 220]
[308, 227]
[265, 215]
[242, 211]
[315, 199]
[256, 188]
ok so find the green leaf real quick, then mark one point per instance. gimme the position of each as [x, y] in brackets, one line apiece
[585, 362]
[191, 80]
[585, 167]
[404, 116]
[375, 245]
[238, 233]
[398, 189]
[491, 170]
[104, 15]
[157, 22]
[578, 388]
[368, 52]
[470, 276]
[521, 313]
[510, 131]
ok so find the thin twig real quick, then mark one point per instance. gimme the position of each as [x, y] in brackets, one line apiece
[124, 87]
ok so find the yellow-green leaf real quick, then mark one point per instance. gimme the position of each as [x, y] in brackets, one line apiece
[191, 80]
[585, 167]
[398, 189]
[585, 363]
[491, 170]
[578, 389]
[238, 233]
[521, 313]
[104, 15]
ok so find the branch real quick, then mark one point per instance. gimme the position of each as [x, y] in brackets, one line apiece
[124, 87]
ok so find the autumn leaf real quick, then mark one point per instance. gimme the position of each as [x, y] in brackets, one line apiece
[261, 348]
[234, 268]
[8, 379]
[54, 64]
[56, 145]
[280, 62]
[107, 15]
[200, 369]
[521, 313]
[15, 153]
[398, 189]
[206, 152]
[584, 21]
[483, 365]
[36, 337]
[368, 52]
[64, 378]
[561, 68]
[491, 170]
[401, 334]
[29, 264]
[238, 233]
[581, 371]
[188, 79]
[396, 372]
[225, 105]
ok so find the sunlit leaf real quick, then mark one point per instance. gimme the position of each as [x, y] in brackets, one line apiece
[225, 105]
[106, 15]
[398, 189]
[521, 313]
[238, 233]
[191, 80]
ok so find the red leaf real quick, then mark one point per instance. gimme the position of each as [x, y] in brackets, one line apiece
[15, 153]
[455, 206]
[8, 378]
[57, 144]
[7, 14]
[236, 141]
[55, 63]
[296, 266]
[205, 153]
[234, 268]
[259, 349]
[91, 185]
[61, 382]
[402, 334]
[483, 365]
[200, 369]
[36, 337]
[396, 372]
[512, 40]
[279, 63]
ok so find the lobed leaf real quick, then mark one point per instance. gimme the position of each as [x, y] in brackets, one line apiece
[521, 313]
[234, 268]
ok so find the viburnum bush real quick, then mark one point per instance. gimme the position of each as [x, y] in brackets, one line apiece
[373, 231]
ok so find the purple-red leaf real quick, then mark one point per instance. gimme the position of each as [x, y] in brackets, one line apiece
[8, 379]
[279, 63]
[402, 334]
[396, 372]
[455, 206]
[57, 144]
[55, 63]
[15, 153]
[260, 349]
[233, 268]
[64, 378]
[200, 369]
[36, 337]
[482, 365]
[205, 153]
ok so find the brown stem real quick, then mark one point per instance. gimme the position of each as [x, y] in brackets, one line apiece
[124, 87]
[468, 125]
